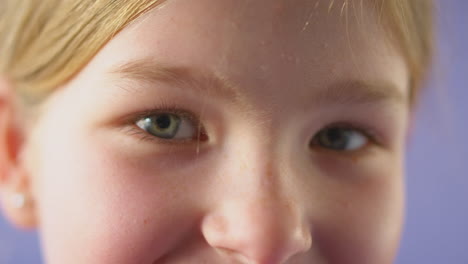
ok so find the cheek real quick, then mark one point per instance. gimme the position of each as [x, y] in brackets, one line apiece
[96, 205]
[360, 218]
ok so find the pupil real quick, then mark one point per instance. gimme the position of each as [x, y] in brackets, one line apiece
[163, 121]
[334, 134]
[336, 137]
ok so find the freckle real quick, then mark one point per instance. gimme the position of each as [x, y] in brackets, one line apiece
[234, 25]
[269, 170]
[355, 158]
[346, 204]
[279, 8]
[298, 60]
[288, 205]
[243, 165]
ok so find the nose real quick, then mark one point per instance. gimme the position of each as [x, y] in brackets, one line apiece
[258, 229]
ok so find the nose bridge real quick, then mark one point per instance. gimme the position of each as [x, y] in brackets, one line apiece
[259, 156]
[261, 183]
[259, 175]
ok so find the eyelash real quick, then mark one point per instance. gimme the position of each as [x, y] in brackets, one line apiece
[166, 107]
[369, 133]
[163, 108]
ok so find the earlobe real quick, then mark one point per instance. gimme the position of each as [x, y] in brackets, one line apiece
[17, 202]
[14, 180]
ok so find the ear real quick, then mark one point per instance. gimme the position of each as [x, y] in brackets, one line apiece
[15, 193]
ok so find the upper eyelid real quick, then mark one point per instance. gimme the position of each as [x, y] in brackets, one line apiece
[365, 130]
[181, 113]
[186, 114]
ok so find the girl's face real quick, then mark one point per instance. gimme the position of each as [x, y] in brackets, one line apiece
[227, 132]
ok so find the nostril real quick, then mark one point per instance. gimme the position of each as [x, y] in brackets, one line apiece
[233, 255]
[248, 233]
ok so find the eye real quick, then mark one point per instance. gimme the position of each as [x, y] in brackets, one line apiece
[168, 126]
[340, 139]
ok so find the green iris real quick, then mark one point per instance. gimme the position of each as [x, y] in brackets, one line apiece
[162, 125]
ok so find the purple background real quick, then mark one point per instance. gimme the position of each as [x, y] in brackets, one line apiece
[437, 172]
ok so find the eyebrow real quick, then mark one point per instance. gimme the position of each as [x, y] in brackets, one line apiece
[147, 70]
[353, 91]
[358, 91]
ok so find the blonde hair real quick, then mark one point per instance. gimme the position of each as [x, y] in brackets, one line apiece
[44, 43]
[411, 22]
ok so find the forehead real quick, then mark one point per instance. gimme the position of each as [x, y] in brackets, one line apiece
[264, 43]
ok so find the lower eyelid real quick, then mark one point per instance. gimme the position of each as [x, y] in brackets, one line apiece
[368, 149]
[145, 136]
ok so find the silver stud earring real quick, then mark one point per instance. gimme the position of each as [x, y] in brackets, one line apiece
[18, 200]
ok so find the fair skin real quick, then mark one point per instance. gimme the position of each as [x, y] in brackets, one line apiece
[263, 78]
